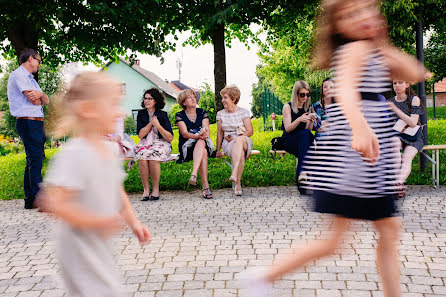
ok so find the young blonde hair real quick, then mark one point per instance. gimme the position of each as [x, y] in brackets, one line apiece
[298, 86]
[84, 86]
[183, 95]
[233, 91]
[327, 40]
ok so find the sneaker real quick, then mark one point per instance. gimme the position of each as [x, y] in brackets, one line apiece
[255, 283]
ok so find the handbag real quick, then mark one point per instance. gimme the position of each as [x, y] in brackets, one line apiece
[406, 132]
[241, 130]
[277, 143]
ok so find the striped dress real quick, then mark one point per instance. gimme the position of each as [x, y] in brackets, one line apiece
[344, 183]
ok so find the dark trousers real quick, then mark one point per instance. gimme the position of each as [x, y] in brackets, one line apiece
[33, 137]
[298, 144]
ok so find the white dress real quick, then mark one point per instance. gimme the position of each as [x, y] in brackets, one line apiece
[231, 123]
[85, 258]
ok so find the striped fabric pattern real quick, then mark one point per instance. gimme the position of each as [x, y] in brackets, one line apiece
[332, 165]
[374, 75]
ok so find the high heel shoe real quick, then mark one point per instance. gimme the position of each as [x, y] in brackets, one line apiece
[238, 192]
[233, 179]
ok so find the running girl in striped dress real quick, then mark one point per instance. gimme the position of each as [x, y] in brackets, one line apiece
[354, 169]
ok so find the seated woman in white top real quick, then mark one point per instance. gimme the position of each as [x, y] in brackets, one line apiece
[234, 128]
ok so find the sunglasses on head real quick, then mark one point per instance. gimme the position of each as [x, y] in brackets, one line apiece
[302, 95]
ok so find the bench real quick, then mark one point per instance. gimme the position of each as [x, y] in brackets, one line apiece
[279, 152]
[176, 156]
[434, 159]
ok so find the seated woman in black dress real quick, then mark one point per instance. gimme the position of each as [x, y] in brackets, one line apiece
[297, 124]
[155, 133]
[194, 142]
[407, 106]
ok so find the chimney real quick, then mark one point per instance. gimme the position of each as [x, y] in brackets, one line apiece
[137, 61]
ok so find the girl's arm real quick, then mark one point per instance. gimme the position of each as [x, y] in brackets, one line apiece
[364, 140]
[411, 120]
[132, 221]
[220, 134]
[403, 66]
[61, 202]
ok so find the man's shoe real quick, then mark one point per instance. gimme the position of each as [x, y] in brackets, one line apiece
[29, 204]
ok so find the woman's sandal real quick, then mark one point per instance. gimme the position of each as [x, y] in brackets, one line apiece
[193, 180]
[233, 179]
[208, 194]
[238, 193]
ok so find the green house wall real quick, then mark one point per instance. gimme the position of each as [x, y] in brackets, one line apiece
[135, 85]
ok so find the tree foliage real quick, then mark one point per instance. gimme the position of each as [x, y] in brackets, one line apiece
[256, 93]
[207, 102]
[436, 53]
[286, 56]
[287, 59]
[220, 21]
[89, 31]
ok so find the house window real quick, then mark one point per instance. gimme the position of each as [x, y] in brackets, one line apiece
[124, 89]
[135, 113]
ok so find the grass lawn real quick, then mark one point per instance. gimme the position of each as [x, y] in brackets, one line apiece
[440, 112]
[261, 170]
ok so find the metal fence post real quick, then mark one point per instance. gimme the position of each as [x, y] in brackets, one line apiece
[433, 97]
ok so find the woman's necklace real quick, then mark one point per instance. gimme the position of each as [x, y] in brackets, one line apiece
[192, 117]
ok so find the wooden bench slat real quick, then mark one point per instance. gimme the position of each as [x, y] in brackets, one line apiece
[175, 156]
[434, 147]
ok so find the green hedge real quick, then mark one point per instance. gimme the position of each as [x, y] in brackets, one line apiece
[260, 170]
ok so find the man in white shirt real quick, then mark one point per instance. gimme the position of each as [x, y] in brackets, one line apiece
[25, 103]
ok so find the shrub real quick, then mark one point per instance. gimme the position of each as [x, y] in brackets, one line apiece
[173, 111]
[129, 125]
[207, 102]
[8, 145]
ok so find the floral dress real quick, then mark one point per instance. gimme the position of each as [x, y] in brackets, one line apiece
[153, 148]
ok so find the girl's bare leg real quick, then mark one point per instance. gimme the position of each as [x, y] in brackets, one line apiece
[387, 255]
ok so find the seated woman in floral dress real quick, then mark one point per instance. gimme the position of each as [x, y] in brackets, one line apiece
[155, 133]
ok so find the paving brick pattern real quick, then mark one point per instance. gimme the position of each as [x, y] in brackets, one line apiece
[199, 247]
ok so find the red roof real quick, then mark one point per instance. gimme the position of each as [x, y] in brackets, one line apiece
[441, 86]
[175, 87]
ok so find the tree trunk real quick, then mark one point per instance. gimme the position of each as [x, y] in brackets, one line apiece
[23, 35]
[218, 40]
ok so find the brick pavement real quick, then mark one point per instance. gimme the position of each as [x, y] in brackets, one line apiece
[200, 246]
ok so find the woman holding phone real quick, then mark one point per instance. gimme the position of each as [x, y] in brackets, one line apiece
[297, 125]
